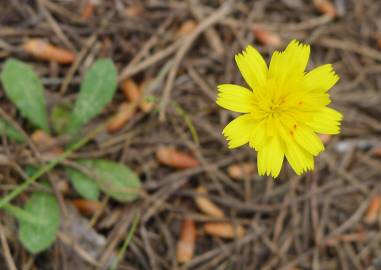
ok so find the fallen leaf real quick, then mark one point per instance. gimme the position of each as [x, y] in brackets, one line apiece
[266, 37]
[207, 206]
[173, 158]
[241, 171]
[186, 244]
[376, 151]
[46, 144]
[131, 90]
[42, 139]
[87, 207]
[45, 51]
[325, 7]
[87, 10]
[373, 211]
[125, 112]
[186, 28]
[134, 10]
[224, 230]
[145, 105]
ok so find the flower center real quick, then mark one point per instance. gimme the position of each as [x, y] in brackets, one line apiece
[275, 107]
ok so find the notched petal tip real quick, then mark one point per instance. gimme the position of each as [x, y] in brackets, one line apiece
[235, 98]
[296, 44]
[252, 66]
[272, 174]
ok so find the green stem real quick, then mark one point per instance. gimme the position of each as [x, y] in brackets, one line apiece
[47, 167]
[126, 242]
[21, 214]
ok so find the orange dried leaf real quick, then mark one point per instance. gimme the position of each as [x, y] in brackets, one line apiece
[224, 230]
[88, 10]
[144, 105]
[87, 207]
[325, 7]
[131, 90]
[373, 210]
[125, 112]
[376, 151]
[187, 27]
[134, 10]
[266, 38]
[186, 244]
[134, 93]
[42, 139]
[176, 159]
[242, 170]
[45, 51]
[207, 206]
[45, 143]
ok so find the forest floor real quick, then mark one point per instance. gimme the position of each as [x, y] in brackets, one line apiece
[213, 201]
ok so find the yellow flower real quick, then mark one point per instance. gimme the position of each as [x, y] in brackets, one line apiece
[284, 109]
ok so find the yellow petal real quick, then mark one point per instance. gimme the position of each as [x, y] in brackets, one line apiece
[238, 131]
[289, 63]
[270, 158]
[320, 79]
[258, 136]
[308, 101]
[307, 139]
[299, 159]
[235, 98]
[252, 67]
[295, 131]
[326, 121]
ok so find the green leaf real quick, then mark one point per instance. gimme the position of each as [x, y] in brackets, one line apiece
[38, 237]
[25, 90]
[9, 131]
[97, 90]
[114, 179]
[60, 118]
[84, 185]
[22, 214]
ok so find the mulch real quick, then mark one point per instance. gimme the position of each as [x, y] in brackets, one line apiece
[314, 221]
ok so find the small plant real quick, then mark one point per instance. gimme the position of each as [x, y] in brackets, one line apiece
[39, 218]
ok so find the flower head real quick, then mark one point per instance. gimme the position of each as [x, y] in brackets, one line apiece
[284, 109]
